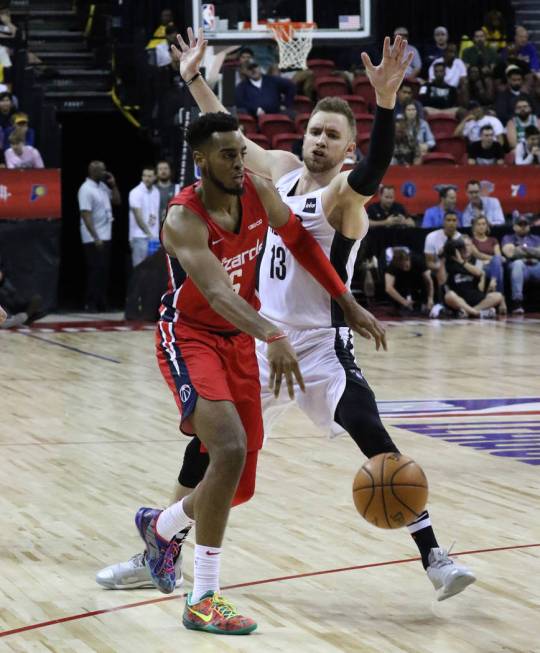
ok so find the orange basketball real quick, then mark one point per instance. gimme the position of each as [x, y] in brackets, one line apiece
[390, 490]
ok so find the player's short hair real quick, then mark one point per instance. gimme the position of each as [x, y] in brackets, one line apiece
[337, 105]
[200, 130]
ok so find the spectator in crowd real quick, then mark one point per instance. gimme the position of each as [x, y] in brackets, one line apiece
[506, 100]
[21, 309]
[438, 96]
[522, 250]
[406, 147]
[7, 109]
[166, 187]
[245, 55]
[466, 283]
[5, 69]
[528, 150]
[436, 49]
[455, 69]
[418, 128]
[480, 53]
[433, 249]
[260, 94]
[387, 212]
[474, 120]
[478, 87]
[163, 48]
[487, 251]
[523, 117]
[20, 155]
[95, 196]
[8, 29]
[435, 215]
[404, 96]
[415, 66]
[19, 124]
[495, 29]
[487, 151]
[524, 51]
[408, 283]
[144, 202]
[166, 18]
[489, 207]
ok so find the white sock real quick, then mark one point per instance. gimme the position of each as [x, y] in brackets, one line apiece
[172, 520]
[206, 566]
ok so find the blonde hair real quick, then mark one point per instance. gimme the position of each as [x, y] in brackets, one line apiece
[337, 105]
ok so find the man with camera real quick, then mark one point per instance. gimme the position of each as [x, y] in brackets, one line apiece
[96, 196]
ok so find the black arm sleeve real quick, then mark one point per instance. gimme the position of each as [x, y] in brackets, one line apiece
[367, 175]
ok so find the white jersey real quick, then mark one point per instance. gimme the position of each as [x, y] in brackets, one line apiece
[290, 296]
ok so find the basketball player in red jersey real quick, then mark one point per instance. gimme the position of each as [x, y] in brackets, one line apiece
[213, 234]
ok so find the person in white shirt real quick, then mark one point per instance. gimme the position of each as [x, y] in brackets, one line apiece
[528, 150]
[434, 245]
[163, 49]
[481, 205]
[473, 122]
[96, 196]
[456, 70]
[143, 215]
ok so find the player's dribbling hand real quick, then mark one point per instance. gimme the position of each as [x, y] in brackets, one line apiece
[283, 362]
[362, 321]
[188, 58]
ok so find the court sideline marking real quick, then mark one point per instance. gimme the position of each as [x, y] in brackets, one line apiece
[70, 348]
[94, 613]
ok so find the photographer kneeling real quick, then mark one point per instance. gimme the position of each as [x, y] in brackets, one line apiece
[465, 285]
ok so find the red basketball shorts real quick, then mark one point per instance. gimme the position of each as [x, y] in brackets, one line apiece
[198, 363]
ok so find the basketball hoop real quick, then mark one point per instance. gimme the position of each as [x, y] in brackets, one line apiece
[294, 42]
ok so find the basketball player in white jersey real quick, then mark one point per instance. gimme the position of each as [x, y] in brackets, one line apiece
[331, 205]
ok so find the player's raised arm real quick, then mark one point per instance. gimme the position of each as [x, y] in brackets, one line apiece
[186, 238]
[307, 251]
[271, 164]
[358, 185]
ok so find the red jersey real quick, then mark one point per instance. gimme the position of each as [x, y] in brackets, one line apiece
[238, 253]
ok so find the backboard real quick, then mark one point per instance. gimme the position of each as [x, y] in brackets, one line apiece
[228, 22]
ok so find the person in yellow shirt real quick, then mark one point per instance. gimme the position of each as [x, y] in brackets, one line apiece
[166, 18]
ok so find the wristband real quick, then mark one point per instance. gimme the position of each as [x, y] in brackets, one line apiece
[278, 336]
[190, 82]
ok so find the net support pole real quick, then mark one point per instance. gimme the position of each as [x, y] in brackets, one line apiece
[309, 11]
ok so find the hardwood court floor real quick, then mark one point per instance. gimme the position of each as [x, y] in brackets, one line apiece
[89, 434]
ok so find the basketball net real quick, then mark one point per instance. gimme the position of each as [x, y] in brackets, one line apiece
[294, 42]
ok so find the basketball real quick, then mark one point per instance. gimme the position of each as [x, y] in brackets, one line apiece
[390, 490]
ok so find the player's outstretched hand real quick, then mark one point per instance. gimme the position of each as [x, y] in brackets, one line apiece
[3, 315]
[188, 57]
[362, 321]
[386, 78]
[283, 362]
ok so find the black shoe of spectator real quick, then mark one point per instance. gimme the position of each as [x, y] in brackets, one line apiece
[518, 308]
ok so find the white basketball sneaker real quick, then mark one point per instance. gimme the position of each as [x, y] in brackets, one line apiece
[448, 577]
[133, 574]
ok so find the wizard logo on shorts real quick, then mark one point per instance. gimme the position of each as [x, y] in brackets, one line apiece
[185, 393]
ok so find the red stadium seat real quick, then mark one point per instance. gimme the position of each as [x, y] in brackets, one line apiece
[285, 141]
[302, 104]
[271, 124]
[361, 86]
[357, 104]
[248, 123]
[438, 159]
[454, 145]
[442, 125]
[362, 141]
[261, 140]
[328, 86]
[364, 122]
[301, 122]
[321, 66]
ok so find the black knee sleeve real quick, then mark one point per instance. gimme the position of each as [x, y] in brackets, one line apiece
[358, 414]
[194, 465]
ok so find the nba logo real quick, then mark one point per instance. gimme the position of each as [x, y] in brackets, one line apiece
[209, 18]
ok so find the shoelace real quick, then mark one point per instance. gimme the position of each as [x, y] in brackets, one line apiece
[225, 608]
[444, 560]
[138, 560]
[170, 555]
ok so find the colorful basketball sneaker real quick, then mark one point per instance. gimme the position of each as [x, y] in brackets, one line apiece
[160, 554]
[448, 577]
[214, 614]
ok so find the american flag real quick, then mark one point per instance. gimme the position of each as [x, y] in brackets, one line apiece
[349, 22]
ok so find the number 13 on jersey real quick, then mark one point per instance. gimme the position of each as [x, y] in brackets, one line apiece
[278, 270]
